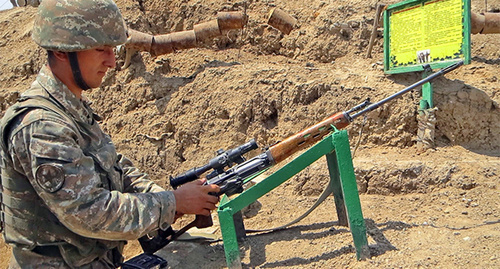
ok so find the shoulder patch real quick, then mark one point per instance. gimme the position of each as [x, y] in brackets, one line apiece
[50, 177]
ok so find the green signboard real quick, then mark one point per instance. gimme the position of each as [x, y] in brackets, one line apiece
[418, 32]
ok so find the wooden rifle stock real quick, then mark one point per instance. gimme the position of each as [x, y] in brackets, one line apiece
[307, 137]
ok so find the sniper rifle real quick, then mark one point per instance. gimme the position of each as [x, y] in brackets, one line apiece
[232, 180]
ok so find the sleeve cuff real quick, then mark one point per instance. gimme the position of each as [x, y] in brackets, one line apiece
[167, 210]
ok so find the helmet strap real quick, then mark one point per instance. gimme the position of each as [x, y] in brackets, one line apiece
[77, 74]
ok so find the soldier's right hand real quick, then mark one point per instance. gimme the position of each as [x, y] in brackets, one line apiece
[194, 198]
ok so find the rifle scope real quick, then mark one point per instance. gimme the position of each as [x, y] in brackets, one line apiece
[223, 159]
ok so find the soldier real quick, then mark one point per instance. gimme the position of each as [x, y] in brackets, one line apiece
[69, 200]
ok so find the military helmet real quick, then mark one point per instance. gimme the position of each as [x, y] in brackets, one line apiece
[76, 25]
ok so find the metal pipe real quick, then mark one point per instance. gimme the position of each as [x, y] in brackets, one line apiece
[487, 23]
[281, 20]
[207, 30]
[491, 23]
[231, 20]
[168, 43]
[139, 40]
[179, 41]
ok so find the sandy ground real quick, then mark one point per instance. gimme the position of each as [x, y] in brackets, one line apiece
[434, 209]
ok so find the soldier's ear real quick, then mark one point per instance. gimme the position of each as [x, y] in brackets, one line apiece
[61, 56]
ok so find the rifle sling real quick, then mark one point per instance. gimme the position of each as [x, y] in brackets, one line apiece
[327, 191]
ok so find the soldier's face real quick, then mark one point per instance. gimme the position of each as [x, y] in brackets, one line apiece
[94, 63]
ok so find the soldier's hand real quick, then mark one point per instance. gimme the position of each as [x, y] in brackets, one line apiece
[194, 198]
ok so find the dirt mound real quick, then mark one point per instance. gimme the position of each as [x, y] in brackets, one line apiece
[172, 112]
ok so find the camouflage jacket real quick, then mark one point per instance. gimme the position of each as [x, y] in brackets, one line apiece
[64, 184]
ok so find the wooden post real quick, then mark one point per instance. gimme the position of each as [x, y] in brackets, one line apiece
[380, 8]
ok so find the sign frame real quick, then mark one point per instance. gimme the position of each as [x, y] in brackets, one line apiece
[465, 46]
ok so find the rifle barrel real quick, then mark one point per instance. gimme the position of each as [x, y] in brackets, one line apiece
[407, 89]
[340, 120]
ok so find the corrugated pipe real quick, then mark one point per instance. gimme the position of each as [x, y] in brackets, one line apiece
[168, 43]
[487, 23]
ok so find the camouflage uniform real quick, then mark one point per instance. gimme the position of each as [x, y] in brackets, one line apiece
[69, 200]
[65, 185]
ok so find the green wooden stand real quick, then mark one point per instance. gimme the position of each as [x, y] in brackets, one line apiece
[342, 183]
[427, 99]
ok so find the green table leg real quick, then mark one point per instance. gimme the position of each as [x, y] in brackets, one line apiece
[336, 188]
[228, 231]
[342, 184]
[350, 193]
[427, 93]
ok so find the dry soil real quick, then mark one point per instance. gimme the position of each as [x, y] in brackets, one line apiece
[438, 208]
